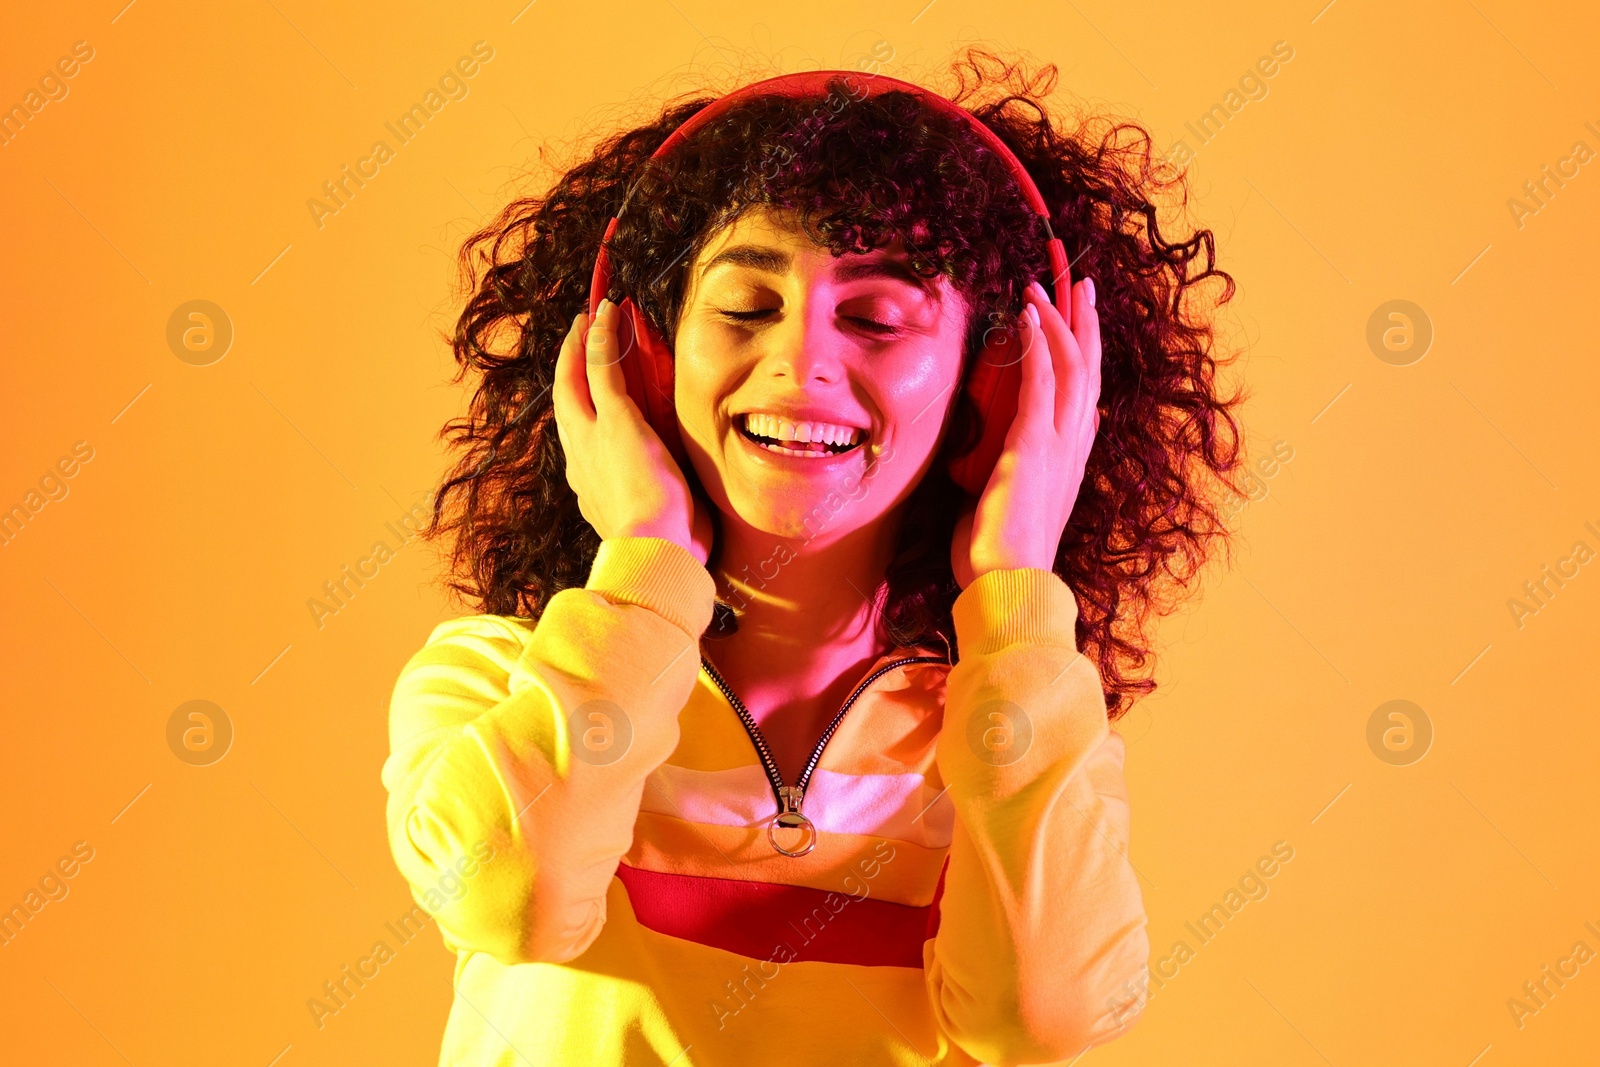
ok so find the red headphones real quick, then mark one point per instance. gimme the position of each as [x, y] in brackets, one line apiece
[992, 383]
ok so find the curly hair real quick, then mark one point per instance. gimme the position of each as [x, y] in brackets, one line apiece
[860, 172]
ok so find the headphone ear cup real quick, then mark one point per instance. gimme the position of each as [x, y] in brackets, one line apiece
[647, 370]
[993, 387]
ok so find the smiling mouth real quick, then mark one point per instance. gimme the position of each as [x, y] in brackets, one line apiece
[810, 449]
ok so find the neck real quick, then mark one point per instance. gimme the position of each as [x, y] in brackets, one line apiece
[802, 600]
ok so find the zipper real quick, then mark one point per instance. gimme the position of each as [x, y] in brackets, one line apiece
[789, 798]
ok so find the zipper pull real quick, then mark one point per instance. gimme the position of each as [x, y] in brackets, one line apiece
[790, 818]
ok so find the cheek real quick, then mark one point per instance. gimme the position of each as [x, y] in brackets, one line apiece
[701, 378]
[925, 381]
[917, 391]
[918, 382]
[697, 389]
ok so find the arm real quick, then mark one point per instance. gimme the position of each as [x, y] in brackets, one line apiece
[486, 764]
[1042, 923]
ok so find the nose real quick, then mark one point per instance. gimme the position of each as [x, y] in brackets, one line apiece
[804, 346]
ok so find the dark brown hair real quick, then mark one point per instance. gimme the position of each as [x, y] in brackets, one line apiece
[860, 172]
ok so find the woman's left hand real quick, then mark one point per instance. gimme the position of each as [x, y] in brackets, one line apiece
[1023, 511]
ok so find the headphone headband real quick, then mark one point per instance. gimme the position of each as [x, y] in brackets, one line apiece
[816, 83]
[812, 83]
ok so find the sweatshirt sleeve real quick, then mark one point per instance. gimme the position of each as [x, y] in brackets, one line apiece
[1042, 926]
[517, 758]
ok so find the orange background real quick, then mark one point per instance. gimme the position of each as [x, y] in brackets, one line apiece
[1377, 566]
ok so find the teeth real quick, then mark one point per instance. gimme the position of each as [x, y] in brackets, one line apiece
[770, 426]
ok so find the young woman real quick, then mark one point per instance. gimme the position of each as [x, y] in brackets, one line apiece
[790, 750]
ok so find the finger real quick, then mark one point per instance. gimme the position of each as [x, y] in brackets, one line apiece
[1037, 389]
[1062, 285]
[1066, 361]
[602, 361]
[1086, 329]
[569, 388]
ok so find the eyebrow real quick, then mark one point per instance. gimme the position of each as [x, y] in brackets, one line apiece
[777, 261]
[756, 257]
[882, 268]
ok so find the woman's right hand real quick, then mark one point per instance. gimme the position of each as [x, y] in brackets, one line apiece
[628, 484]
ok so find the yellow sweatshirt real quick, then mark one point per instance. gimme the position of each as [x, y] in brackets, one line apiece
[582, 810]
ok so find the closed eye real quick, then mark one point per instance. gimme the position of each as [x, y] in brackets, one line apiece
[882, 328]
[747, 316]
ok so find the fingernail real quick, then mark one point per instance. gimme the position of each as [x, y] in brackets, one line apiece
[1090, 283]
[1033, 314]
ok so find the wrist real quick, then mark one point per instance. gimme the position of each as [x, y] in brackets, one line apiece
[655, 573]
[665, 531]
[988, 566]
[1010, 605]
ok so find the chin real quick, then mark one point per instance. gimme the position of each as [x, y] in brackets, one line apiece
[826, 512]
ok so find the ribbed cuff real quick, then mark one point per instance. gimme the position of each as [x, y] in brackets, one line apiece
[1010, 605]
[658, 574]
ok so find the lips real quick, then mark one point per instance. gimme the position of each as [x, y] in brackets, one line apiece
[807, 438]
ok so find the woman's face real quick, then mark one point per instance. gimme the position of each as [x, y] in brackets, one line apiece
[812, 390]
